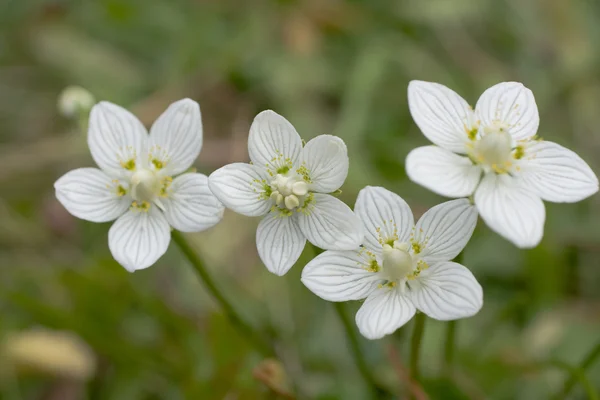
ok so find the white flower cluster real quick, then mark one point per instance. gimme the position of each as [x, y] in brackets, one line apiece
[489, 158]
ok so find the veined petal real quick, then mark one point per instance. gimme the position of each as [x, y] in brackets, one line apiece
[385, 216]
[139, 238]
[117, 139]
[556, 173]
[446, 291]
[330, 224]
[176, 137]
[325, 159]
[190, 206]
[279, 242]
[444, 230]
[341, 275]
[510, 103]
[443, 116]
[91, 194]
[510, 210]
[242, 187]
[442, 171]
[384, 311]
[273, 142]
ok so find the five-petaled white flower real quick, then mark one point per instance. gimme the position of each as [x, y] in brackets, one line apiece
[135, 184]
[496, 140]
[401, 267]
[289, 185]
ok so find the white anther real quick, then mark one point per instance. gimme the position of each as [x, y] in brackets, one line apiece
[279, 200]
[300, 188]
[291, 202]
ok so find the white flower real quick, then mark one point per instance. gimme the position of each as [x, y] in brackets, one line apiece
[288, 184]
[402, 267]
[135, 183]
[493, 153]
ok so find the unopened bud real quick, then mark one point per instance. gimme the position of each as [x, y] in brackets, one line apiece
[74, 101]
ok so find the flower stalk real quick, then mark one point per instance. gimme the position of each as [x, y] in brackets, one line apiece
[415, 346]
[234, 317]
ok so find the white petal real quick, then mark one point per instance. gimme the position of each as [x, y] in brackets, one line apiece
[385, 216]
[273, 142]
[326, 159]
[190, 205]
[442, 171]
[90, 194]
[512, 211]
[510, 103]
[444, 230]
[447, 291]
[341, 275]
[241, 187]
[557, 174]
[384, 311]
[330, 224]
[116, 137]
[176, 136]
[443, 116]
[279, 242]
[137, 239]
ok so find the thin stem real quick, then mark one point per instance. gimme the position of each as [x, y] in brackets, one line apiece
[415, 345]
[587, 362]
[357, 353]
[449, 346]
[234, 317]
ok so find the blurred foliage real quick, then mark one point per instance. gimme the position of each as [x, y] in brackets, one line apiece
[329, 66]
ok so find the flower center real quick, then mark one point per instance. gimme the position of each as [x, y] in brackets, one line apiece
[494, 148]
[397, 262]
[289, 190]
[145, 185]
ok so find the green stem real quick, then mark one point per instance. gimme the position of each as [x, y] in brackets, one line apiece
[589, 359]
[357, 353]
[449, 346]
[415, 345]
[234, 317]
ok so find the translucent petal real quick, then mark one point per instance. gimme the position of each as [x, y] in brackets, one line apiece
[279, 242]
[190, 205]
[510, 210]
[557, 174]
[385, 216]
[443, 116]
[138, 239]
[447, 291]
[176, 137]
[384, 311]
[242, 188]
[90, 194]
[444, 230]
[341, 275]
[326, 160]
[117, 139]
[510, 103]
[442, 171]
[273, 142]
[330, 224]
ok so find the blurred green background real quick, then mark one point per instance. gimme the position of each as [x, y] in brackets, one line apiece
[329, 66]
